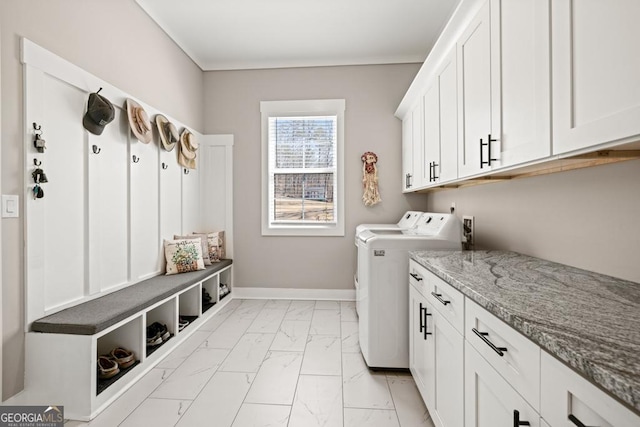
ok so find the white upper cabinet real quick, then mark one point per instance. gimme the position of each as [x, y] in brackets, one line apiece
[447, 170]
[407, 152]
[504, 86]
[596, 92]
[418, 149]
[441, 125]
[412, 149]
[431, 103]
[522, 37]
[475, 107]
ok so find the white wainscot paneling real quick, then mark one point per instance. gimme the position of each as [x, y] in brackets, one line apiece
[108, 206]
[144, 202]
[64, 204]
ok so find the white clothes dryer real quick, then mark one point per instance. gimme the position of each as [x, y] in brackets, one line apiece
[382, 284]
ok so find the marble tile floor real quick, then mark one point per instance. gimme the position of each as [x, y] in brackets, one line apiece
[270, 363]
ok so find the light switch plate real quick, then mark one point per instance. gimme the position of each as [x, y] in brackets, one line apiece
[10, 206]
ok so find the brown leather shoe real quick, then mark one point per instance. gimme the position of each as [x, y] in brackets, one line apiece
[107, 367]
[123, 357]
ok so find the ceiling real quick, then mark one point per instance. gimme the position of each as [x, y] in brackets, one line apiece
[249, 34]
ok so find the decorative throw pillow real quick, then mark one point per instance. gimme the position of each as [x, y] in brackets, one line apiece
[203, 242]
[216, 245]
[183, 256]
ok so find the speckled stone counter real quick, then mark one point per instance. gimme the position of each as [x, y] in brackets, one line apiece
[589, 320]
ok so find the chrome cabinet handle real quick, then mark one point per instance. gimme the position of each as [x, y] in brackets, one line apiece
[483, 337]
[439, 298]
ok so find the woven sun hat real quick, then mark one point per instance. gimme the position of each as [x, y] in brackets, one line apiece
[184, 162]
[185, 145]
[190, 140]
[168, 133]
[139, 121]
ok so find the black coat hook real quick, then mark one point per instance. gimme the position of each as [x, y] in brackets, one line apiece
[165, 166]
[37, 162]
[136, 159]
[95, 149]
[186, 171]
[36, 126]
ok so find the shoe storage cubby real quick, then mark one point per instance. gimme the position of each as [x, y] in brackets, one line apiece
[163, 316]
[63, 367]
[189, 307]
[224, 288]
[210, 293]
[126, 337]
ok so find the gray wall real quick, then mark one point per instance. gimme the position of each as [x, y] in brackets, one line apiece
[372, 93]
[114, 40]
[586, 218]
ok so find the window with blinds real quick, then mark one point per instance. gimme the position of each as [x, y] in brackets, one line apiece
[302, 169]
[302, 194]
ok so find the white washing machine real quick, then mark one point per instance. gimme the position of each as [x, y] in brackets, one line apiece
[382, 284]
[408, 220]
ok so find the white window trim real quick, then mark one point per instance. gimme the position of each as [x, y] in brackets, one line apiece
[303, 108]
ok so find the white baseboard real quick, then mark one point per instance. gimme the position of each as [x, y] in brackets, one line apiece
[297, 294]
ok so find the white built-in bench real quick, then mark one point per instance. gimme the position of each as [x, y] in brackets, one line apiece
[62, 348]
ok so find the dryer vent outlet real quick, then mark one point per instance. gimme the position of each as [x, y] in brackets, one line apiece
[468, 229]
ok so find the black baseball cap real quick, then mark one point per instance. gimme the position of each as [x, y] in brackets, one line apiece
[100, 112]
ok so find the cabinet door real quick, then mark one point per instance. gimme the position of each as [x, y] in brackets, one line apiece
[431, 106]
[596, 95]
[407, 151]
[565, 393]
[521, 59]
[474, 95]
[144, 204]
[108, 206]
[447, 169]
[489, 400]
[420, 346]
[418, 149]
[448, 408]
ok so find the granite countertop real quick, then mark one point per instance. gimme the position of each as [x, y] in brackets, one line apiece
[588, 320]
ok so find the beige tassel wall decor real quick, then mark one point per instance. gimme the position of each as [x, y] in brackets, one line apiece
[371, 195]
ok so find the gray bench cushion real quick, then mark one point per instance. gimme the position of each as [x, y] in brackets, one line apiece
[91, 317]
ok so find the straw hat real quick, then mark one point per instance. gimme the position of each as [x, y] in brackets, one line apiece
[139, 121]
[187, 153]
[168, 133]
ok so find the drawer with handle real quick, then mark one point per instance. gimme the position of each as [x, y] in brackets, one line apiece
[418, 278]
[447, 300]
[569, 400]
[514, 356]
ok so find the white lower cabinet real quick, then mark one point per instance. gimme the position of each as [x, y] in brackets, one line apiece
[449, 379]
[568, 400]
[419, 352]
[489, 399]
[436, 362]
[487, 374]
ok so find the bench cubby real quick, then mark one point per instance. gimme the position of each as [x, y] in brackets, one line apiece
[62, 349]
